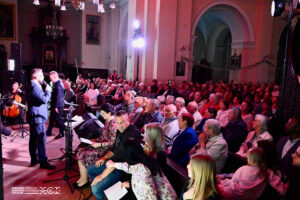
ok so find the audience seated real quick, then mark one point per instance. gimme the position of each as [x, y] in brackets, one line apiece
[153, 114]
[247, 115]
[170, 125]
[260, 126]
[212, 143]
[193, 110]
[235, 131]
[180, 106]
[286, 147]
[222, 114]
[210, 113]
[184, 141]
[202, 180]
[147, 180]
[249, 181]
[88, 155]
[135, 98]
[90, 97]
[102, 177]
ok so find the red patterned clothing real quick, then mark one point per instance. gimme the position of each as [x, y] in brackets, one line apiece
[89, 155]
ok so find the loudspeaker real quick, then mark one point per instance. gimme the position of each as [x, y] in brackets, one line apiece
[16, 54]
[9, 77]
[90, 128]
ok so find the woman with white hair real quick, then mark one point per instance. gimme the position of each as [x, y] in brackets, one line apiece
[180, 106]
[260, 126]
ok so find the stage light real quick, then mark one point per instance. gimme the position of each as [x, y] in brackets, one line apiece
[136, 24]
[138, 42]
[36, 2]
[101, 8]
[112, 5]
[277, 8]
[11, 64]
[57, 2]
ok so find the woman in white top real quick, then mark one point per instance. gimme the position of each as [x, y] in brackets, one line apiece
[249, 181]
[260, 133]
[90, 97]
[222, 114]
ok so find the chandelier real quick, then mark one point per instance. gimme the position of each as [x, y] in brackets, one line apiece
[54, 30]
[80, 4]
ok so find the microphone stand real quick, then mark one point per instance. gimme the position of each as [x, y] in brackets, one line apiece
[68, 153]
[23, 131]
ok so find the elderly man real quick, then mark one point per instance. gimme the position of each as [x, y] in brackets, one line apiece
[193, 110]
[211, 142]
[102, 177]
[235, 131]
[170, 124]
[260, 126]
[69, 94]
[153, 115]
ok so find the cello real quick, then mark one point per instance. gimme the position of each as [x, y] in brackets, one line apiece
[13, 110]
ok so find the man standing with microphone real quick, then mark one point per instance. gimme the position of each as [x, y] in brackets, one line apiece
[37, 115]
[57, 104]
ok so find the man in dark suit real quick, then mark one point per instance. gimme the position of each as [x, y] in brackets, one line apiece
[286, 147]
[57, 104]
[235, 131]
[37, 115]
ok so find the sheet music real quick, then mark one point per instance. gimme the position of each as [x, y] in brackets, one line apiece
[85, 141]
[115, 192]
[77, 119]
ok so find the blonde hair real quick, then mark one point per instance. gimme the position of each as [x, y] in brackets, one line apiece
[155, 137]
[255, 158]
[203, 176]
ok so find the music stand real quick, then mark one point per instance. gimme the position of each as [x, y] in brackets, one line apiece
[68, 153]
[23, 132]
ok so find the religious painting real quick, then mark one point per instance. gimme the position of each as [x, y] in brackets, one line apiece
[92, 29]
[235, 60]
[180, 68]
[7, 21]
[49, 54]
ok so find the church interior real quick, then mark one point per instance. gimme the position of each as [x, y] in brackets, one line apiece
[214, 67]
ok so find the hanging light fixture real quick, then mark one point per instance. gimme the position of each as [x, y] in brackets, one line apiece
[101, 8]
[80, 4]
[57, 2]
[36, 2]
[112, 5]
[54, 30]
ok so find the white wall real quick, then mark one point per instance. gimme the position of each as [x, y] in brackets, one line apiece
[103, 55]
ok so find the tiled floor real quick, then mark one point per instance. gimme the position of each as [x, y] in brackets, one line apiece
[18, 177]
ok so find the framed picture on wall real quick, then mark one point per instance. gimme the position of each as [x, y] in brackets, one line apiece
[180, 68]
[92, 29]
[49, 55]
[7, 21]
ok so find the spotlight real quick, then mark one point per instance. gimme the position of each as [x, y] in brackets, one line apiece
[138, 42]
[277, 8]
[136, 24]
[63, 8]
[57, 2]
[101, 8]
[112, 5]
[36, 2]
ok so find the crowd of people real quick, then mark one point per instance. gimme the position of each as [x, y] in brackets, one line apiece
[198, 126]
